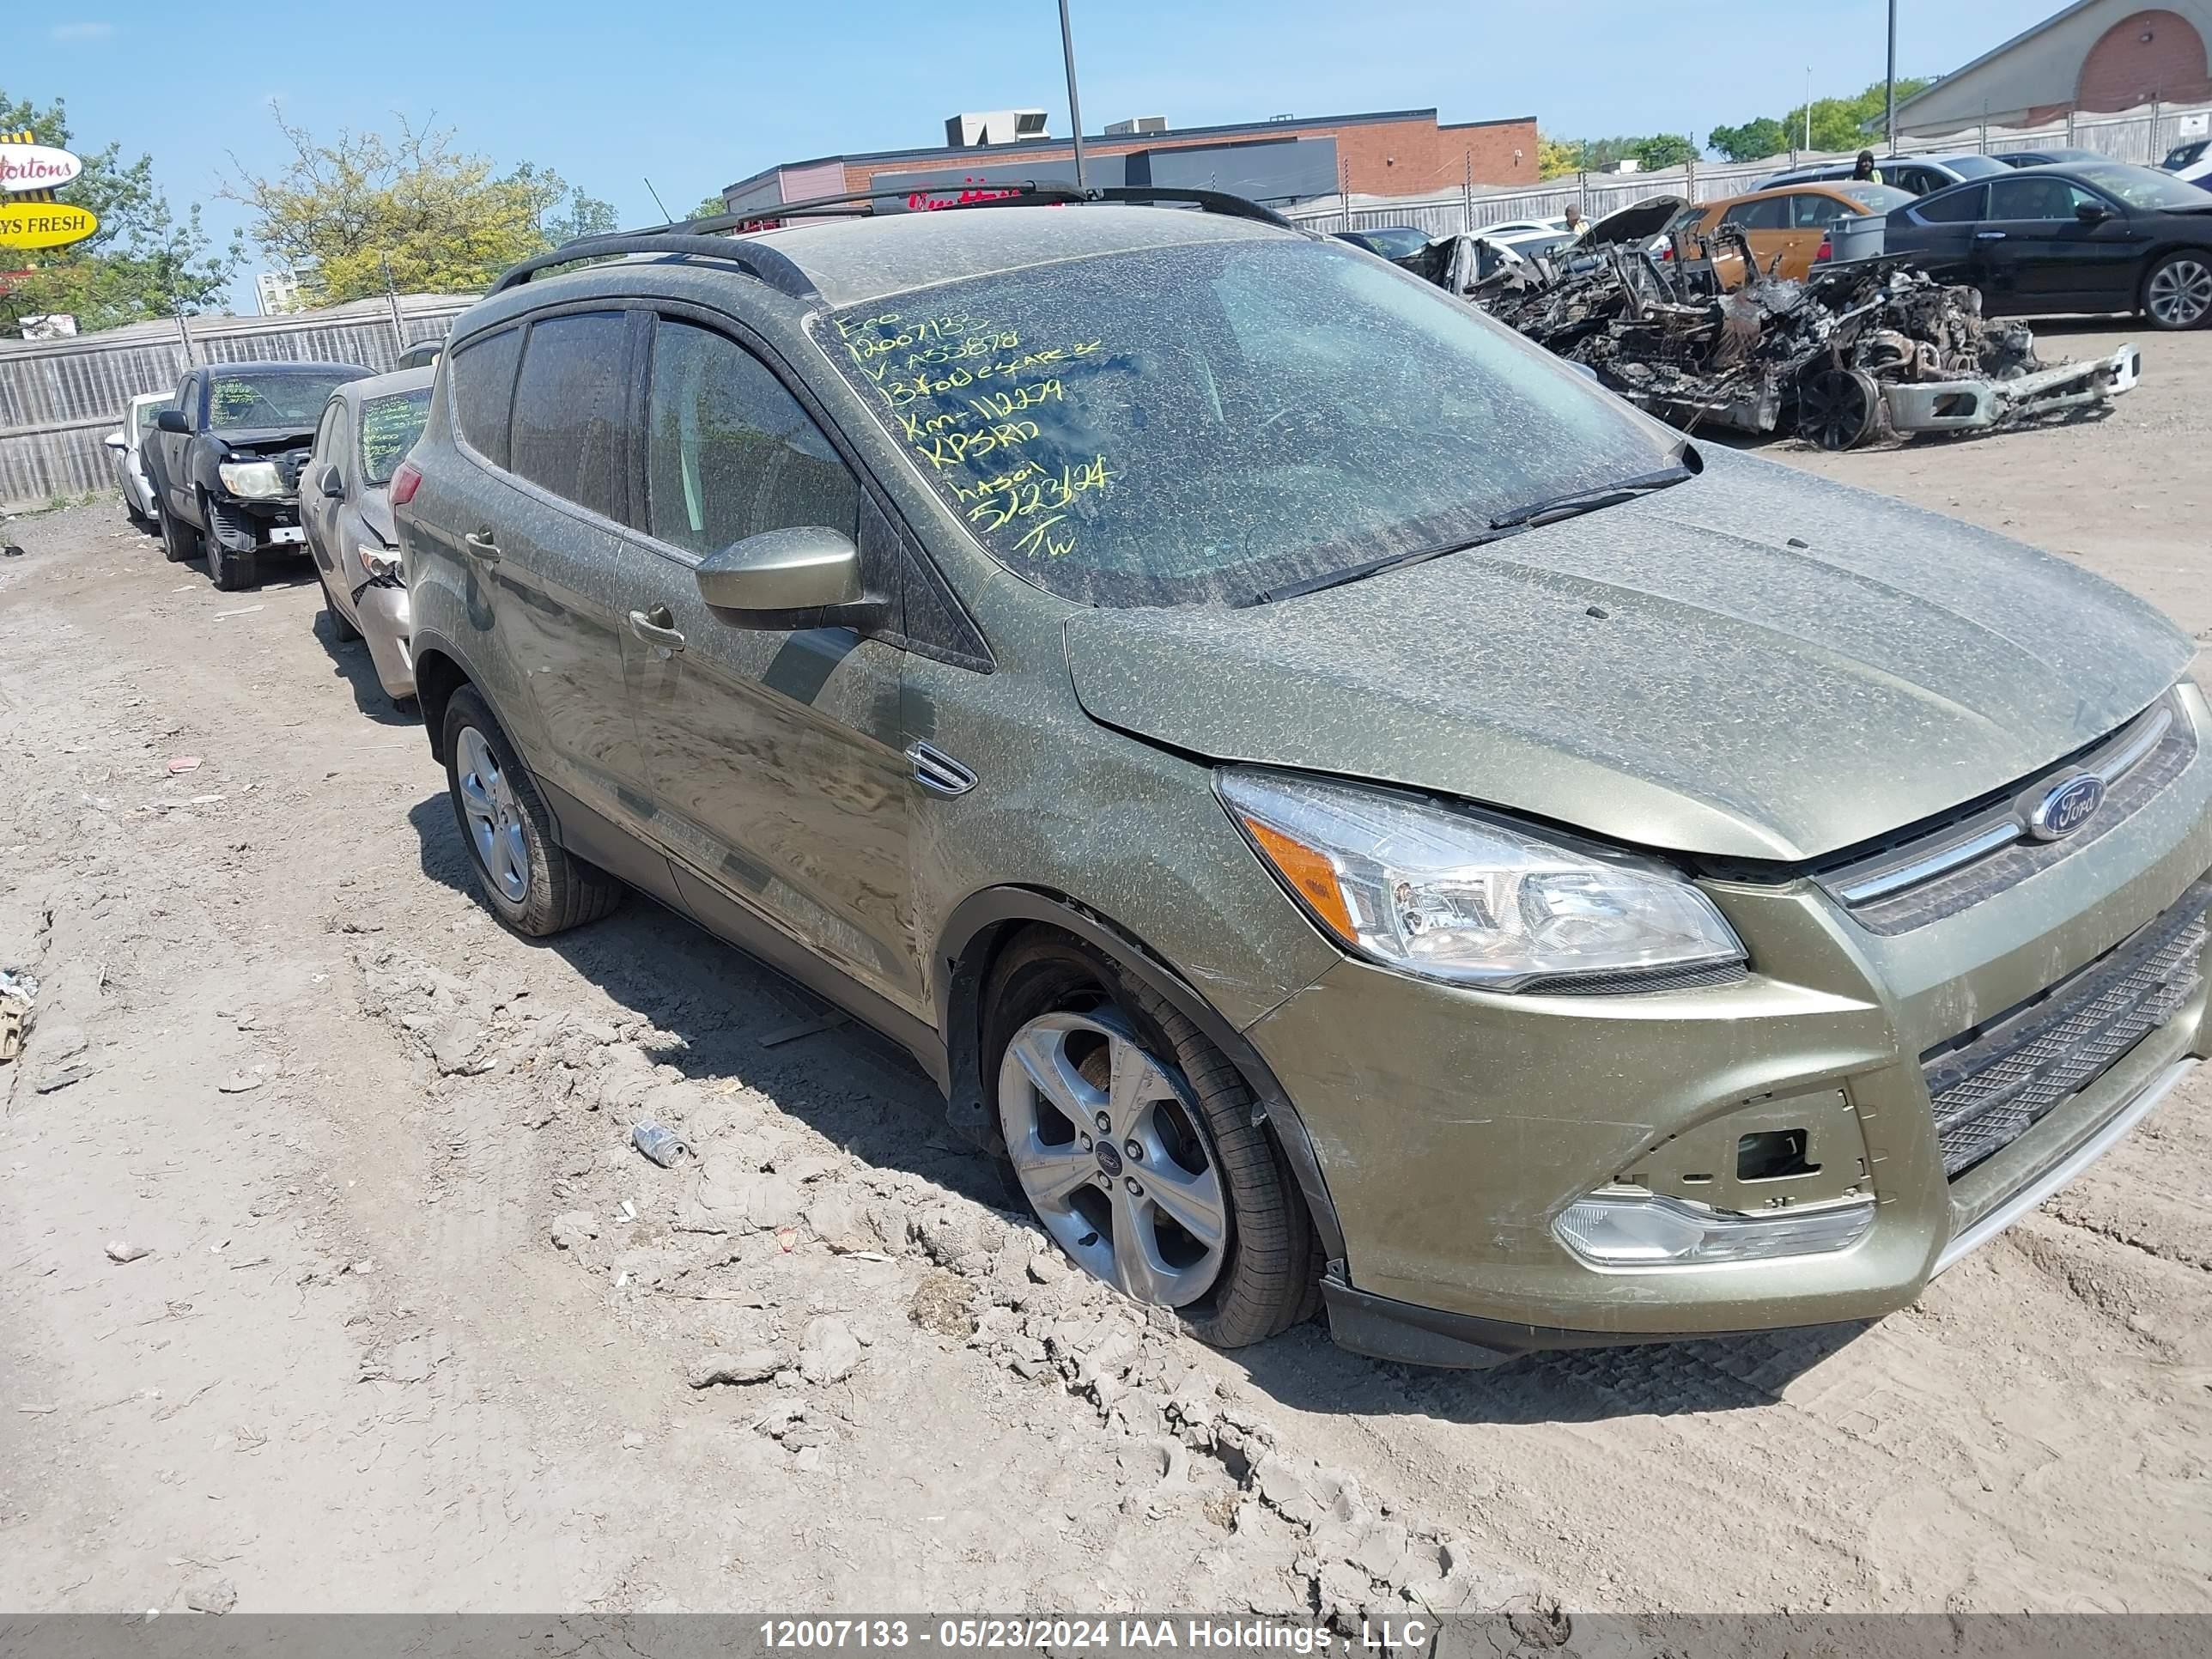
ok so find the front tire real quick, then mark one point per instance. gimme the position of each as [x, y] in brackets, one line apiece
[530, 882]
[1130, 1137]
[340, 631]
[231, 572]
[2177, 290]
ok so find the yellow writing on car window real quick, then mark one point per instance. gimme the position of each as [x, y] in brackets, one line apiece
[969, 396]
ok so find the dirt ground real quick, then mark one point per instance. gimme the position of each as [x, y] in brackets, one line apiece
[414, 1328]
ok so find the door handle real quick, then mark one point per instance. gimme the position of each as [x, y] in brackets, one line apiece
[1989, 236]
[480, 544]
[657, 629]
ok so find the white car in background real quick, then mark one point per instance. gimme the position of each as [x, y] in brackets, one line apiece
[2191, 162]
[126, 456]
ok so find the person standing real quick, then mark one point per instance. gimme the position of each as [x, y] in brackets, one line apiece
[1864, 170]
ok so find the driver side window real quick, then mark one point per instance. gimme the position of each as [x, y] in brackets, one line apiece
[730, 453]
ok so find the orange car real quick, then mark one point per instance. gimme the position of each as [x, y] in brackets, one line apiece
[1783, 225]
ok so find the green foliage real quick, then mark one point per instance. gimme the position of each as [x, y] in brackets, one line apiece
[143, 262]
[1852, 123]
[1557, 157]
[709, 208]
[352, 213]
[1756, 139]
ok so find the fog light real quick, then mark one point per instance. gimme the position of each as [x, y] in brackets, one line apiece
[1639, 1229]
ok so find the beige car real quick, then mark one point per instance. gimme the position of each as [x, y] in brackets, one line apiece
[345, 506]
[1785, 225]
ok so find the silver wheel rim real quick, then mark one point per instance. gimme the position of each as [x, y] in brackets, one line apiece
[1119, 1173]
[2181, 293]
[494, 815]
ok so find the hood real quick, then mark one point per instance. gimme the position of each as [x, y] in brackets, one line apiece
[375, 509]
[264, 439]
[1639, 223]
[1755, 664]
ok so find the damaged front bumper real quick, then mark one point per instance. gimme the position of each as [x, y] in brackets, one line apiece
[258, 525]
[1456, 1128]
[1978, 403]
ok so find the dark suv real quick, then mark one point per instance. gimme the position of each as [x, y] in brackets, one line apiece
[1341, 803]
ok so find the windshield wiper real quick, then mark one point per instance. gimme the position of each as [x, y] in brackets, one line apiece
[1375, 567]
[1588, 500]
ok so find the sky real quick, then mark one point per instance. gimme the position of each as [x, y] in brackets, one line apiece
[697, 96]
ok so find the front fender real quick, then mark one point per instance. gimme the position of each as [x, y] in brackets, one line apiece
[969, 941]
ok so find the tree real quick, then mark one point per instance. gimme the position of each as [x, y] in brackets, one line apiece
[143, 262]
[1557, 157]
[1755, 140]
[1838, 124]
[709, 207]
[1664, 149]
[361, 209]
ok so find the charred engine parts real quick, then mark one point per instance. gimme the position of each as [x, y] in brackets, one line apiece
[1851, 354]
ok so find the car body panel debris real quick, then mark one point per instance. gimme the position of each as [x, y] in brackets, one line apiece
[1853, 354]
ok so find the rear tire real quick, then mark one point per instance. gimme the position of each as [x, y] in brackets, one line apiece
[529, 880]
[1265, 1279]
[179, 543]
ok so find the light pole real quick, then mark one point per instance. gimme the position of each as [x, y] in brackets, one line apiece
[1889, 124]
[1074, 103]
[1809, 106]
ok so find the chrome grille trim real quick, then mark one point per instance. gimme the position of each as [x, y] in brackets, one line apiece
[1947, 868]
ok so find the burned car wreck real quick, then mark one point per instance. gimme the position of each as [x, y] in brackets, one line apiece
[1855, 353]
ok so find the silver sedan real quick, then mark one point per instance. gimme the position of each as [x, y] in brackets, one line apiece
[345, 506]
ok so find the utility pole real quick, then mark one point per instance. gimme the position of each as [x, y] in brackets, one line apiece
[1890, 88]
[1074, 103]
[1809, 106]
[391, 299]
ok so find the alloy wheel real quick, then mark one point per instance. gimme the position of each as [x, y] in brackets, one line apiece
[2181, 293]
[494, 815]
[1107, 1148]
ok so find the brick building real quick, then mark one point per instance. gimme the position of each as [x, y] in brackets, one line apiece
[1387, 153]
[2094, 56]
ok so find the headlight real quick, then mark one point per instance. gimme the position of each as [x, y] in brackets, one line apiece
[1454, 896]
[251, 481]
[380, 562]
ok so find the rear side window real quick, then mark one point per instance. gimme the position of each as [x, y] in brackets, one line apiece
[730, 453]
[1771, 213]
[1955, 207]
[479, 383]
[567, 432]
[1811, 212]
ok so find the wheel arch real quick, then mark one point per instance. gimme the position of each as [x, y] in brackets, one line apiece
[439, 672]
[980, 928]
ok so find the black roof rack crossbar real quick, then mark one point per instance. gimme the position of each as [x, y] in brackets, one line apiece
[1207, 201]
[752, 258]
[1016, 193]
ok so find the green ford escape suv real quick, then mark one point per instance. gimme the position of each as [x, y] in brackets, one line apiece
[1349, 809]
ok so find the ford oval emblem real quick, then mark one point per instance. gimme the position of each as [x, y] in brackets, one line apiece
[2067, 808]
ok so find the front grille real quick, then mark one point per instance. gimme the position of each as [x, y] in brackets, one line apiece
[1950, 882]
[1989, 1085]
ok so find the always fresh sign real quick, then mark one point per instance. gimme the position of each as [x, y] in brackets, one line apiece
[43, 224]
[36, 167]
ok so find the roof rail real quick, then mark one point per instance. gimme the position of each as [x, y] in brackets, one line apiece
[705, 238]
[752, 258]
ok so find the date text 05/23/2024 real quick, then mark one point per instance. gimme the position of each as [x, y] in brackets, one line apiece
[1100, 1635]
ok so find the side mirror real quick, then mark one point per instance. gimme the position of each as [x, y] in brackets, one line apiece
[116, 441]
[330, 484]
[806, 577]
[173, 420]
[2092, 213]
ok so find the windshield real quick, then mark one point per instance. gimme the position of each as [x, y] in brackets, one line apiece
[1396, 243]
[145, 412]
[2182, 155]
[1974, 167]
[285, 398]
[389, 428]
[1197, 425]
[2145, 187]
